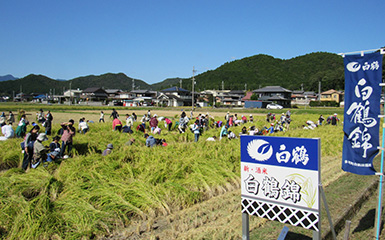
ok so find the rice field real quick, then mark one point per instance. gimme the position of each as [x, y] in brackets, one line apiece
[89, 195]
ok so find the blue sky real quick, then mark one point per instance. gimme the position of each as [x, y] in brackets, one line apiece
[153, 40]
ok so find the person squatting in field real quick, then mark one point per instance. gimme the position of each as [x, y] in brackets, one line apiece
[116, 125]
[39, 151]
[7, 131]
[153, 122]
[151, 141]
[83, 126]
[108, 150]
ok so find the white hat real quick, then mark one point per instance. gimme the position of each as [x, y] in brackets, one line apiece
[42, 137]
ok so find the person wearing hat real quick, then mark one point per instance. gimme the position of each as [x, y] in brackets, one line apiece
[39, 151]
[68, 133]
[150, 140]
[251, 119]
[108, 150]
[227, 117]
[271, 128]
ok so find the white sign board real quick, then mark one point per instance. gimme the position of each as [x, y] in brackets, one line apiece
[280, 179]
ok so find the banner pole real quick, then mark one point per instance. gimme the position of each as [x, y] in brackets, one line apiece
[380, 183]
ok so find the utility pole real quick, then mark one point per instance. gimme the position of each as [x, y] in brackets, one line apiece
[245, 87]
[180, 83]
[193, 83]
[319, 90]
[133, 84]
[70, 94]
[223, 86]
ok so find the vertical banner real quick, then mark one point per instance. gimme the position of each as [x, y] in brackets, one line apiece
[362, 107]
[280, 179]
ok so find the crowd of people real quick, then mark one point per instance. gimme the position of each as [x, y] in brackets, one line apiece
[331, 120]
[34, 153]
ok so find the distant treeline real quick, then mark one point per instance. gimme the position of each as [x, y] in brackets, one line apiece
[249, 73]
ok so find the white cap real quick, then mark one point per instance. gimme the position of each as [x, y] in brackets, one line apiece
[42, 137]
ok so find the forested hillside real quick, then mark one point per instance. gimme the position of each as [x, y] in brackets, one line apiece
[248, 73]
[42, 84]
[263, 70]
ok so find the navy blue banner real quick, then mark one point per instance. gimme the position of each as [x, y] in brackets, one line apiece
[302, 153]
[362, 107]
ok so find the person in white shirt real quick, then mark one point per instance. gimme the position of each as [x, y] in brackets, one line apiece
[83, 126]
[7, 131]
[101, 119]
[129, 121]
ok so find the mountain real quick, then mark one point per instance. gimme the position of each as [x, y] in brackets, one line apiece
[42, 84]
[7, 78]
[169, 82]
[253, 72]
[108, 81]
[263, 70]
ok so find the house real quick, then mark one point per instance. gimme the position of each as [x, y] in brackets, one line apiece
[74, 93]
[177, 96]
[39, 98]
[70, 96]
[231, 98]
[94, 94]
[144, 93]
[113, 93]
[142, 98]
[276, 94]
[169, 100]
[332, 95]
[247, 97]
[302, 98]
